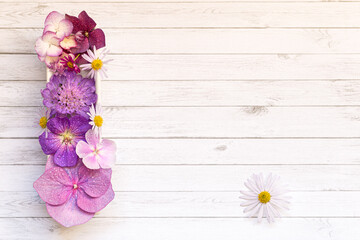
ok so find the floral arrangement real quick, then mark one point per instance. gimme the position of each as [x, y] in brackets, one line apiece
[265, 197]
[77, 179]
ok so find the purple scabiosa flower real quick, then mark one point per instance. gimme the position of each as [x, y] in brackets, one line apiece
[69, 94]
[62, 138]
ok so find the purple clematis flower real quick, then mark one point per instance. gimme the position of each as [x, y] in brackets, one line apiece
[86, 34]
[62, 138]
[73, 195]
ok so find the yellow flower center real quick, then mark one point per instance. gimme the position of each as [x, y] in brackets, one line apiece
[43, 122]
[75, 186]
[70, 64]
[67, 137]
[264, 197]
[86, 34]
[98, 120]
[96, 64]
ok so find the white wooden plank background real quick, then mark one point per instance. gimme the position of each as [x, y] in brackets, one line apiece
[200, 95]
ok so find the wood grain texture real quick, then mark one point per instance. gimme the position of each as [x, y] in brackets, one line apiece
[183, 228]
[208, 122]
[216, 14]
[127, 41]
[202, 93]
[189, 204]
[204, 67]
[205, 151]
[201, 178]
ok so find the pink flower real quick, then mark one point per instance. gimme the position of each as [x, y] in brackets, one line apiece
[48, 45]
[96, 153]
[69, 63]
[55, 22]
[68, 42]
[73, 195]
[86, 34]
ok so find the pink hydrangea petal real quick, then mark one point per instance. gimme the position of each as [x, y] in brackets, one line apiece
[50, 162]
[91, 161]
[54, 186]
[69, 214]
[83, 149]
[66, 156]
[90, 204]
[94, 182]
[49, 61]
[68, 42]
[87, 21]
[107, 153]
[97, 38]
[58, 125]
[50, 37]
[54, 51]
[49, 144]
[92, 138]
[65, 28]
[41, 47]
[54, 18]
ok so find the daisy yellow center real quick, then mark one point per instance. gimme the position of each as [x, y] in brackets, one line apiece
[98, 120]
[96, 64]
[264, 197]
[67, 137]
[43, 122]
[70, 64]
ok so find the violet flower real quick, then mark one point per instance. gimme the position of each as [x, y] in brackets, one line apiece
[86, 34]
[62, 138]
[69, 94]
[96, 152]
[74, 195]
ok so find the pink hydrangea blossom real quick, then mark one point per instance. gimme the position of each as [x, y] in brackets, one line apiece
[48, 45]
[96, 152]
[73, 195]
[55, 22]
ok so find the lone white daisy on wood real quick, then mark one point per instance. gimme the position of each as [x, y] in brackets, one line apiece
[264, 198]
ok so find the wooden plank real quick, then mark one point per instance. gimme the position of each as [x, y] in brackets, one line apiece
[137, 1]
[201, 178]
[204, 67]
[230, 14]
[183, 228]
[189, 204]
[204, 122]
[180, 41]
[205, 151]
[201, 93]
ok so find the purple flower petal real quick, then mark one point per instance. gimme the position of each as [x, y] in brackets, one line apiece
[77, 25]
[94, 182]
[87, 21]
[79, 125]
[69, 214]
[81, 47]
[66, 156]
[54, 186]
[97, 39]
[89, 204]
[49, 144]
[58, 125]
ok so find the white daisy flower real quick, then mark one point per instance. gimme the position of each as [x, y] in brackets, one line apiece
[44, 116]
[264, 198]
[96, 118]
[96, 59]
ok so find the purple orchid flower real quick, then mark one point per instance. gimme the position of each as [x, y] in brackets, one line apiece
[73, 195]
[86, 34]
[62, 138]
